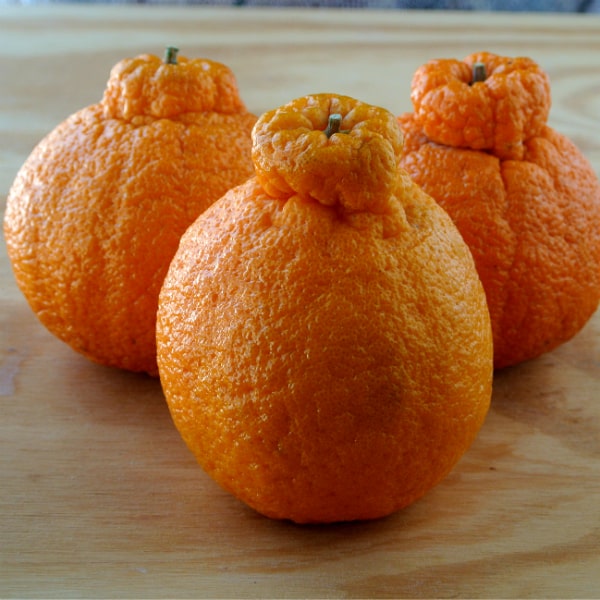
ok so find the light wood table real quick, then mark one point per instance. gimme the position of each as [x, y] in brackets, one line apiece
[98, 495]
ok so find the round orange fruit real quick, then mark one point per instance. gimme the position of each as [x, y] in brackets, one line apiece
[95, 214]
[525, 199]
[323, 339]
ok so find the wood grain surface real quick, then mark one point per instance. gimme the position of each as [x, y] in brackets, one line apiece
[98, 495]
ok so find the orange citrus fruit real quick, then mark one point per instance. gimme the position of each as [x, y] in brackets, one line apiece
[525, 199]
[323, 339]
[95, 214]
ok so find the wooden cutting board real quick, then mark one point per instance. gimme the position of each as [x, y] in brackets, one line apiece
[98, 495]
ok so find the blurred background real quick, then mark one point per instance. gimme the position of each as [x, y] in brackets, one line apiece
[563, 6]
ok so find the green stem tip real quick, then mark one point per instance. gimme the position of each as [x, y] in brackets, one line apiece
[171, 55]
[479, 72]
[333, 124]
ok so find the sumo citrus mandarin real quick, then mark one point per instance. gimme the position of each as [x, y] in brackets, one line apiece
[95, 214]
[525, 199]
[323, 338]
